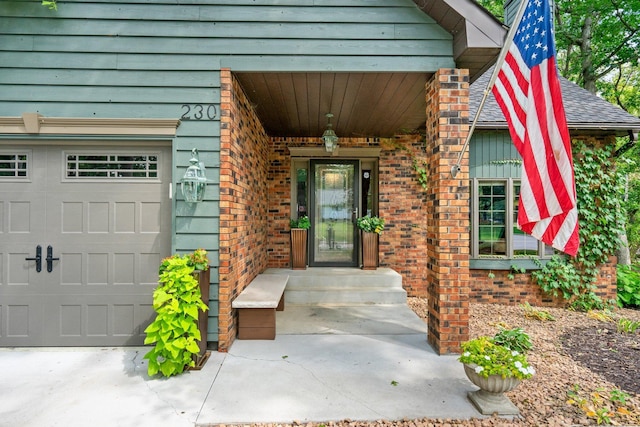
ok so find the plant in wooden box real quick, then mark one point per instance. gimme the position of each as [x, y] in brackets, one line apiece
[371, 227]
[496, 365]
[175, 332]
[299, 230]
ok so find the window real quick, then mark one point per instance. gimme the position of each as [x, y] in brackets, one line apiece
[14, 165]
[110, 166]
[495, 234]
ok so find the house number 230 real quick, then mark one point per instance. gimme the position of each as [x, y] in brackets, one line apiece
[198, 112]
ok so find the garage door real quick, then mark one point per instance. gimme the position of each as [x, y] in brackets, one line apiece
[82, 232]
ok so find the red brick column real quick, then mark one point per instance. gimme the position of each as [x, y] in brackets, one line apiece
[447, 210]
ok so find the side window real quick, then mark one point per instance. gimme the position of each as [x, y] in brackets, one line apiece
[495, 232]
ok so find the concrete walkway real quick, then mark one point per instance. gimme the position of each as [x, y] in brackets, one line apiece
[326, 363]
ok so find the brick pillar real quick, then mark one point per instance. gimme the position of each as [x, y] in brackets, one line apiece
[227, 276]
[448, 210]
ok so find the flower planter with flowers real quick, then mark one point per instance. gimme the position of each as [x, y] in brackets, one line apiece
[371, 227]
[496, 365]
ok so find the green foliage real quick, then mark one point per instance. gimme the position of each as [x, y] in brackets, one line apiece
[534, 313]
[491, 358]
[628, 326]
[421, 171]
[302, 222]
[513, 339]
[51, 4]
[371, 224]
[515, 269]
[198, 260]
[599, 187]
[628, 285]
[174, 331]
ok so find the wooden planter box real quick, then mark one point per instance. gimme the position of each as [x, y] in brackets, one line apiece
[203, 278]
[298, 249]
[369, 251]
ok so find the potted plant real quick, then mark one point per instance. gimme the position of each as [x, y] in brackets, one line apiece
[371, 227]
[496, 365]
[299, 232]
[177, 301]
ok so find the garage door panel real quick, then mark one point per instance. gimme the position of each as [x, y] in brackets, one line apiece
[97, 319]
[20, 320]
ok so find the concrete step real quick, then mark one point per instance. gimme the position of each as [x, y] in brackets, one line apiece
[343, 286]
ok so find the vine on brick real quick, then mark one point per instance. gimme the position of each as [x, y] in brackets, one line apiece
[599, 187]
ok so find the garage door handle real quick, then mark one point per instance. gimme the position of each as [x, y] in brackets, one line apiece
[50, 258]
[37, 259]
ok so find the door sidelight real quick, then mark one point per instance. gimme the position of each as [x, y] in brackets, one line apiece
[50, 258]
[37, 258]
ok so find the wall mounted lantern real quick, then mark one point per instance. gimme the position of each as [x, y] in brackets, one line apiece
[194, 182]
[329, 136]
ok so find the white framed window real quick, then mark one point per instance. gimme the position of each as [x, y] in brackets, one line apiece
[494, 218]
[14, 165]
[125, 165]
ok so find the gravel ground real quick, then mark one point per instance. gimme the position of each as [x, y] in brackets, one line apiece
[584, 367]
[587, 373]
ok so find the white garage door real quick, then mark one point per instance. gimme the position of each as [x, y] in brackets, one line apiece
[82, 233]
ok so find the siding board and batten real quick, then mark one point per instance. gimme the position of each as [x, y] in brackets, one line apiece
[149, 58]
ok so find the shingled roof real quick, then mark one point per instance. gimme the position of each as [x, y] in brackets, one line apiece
[585, 111]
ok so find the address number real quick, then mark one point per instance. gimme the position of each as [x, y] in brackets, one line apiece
[198, 112]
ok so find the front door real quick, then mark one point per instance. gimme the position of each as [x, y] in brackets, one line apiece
[334, 206]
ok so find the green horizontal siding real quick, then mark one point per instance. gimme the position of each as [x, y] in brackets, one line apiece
[493, 155]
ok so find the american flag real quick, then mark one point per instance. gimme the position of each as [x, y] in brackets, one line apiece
[528, 92]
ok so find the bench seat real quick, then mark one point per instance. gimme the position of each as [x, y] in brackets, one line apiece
[257, 305]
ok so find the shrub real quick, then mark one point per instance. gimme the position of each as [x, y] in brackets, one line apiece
[628, 285]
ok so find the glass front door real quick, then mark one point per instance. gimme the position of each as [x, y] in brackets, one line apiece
[334, 198]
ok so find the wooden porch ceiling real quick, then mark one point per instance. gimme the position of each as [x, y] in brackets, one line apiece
[363, 104]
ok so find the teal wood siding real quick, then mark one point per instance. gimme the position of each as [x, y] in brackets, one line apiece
[161, 58]
[493, 155]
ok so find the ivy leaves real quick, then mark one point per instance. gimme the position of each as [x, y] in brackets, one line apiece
[599, 187]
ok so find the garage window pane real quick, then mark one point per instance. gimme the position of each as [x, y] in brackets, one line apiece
[13, 165]
[110, 166]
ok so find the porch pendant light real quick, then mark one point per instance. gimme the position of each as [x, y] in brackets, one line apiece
[329, 136]
[194, 182]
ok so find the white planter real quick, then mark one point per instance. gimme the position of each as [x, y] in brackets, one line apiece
[490, 398]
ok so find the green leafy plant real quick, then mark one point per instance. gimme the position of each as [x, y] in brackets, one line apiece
[302, 222]
[199, 260]
[174, 331]
[51, 4]
[534, 313]
[371, 224]
[628, 326]
[513, 339]
[515, 269]
[599, 189]
[628, 285]
[488, 357]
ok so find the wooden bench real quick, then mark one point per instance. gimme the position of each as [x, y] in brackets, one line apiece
[257, 305]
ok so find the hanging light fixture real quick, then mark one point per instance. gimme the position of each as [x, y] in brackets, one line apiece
[329, 136]
[194, 182]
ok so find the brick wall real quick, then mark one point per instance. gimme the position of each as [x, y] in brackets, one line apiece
[244, 217]
[447, 210]
[401, 203]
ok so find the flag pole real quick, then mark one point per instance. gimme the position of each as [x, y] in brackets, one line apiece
[503, 54]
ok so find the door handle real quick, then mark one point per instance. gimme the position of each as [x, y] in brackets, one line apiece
[50, 259]
[37, 258]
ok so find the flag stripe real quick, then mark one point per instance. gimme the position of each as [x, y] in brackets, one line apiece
[528, 92]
